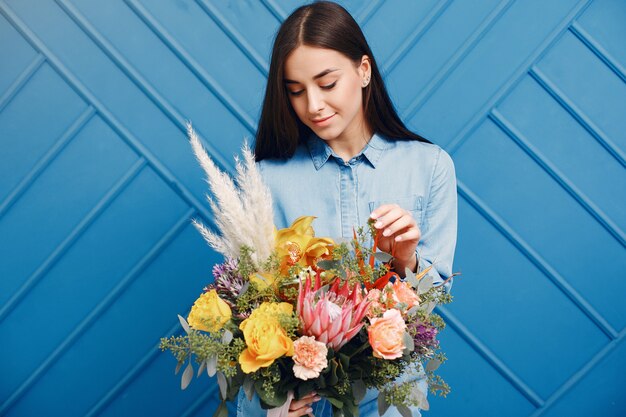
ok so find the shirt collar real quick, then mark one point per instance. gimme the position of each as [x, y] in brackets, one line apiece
[320, 151]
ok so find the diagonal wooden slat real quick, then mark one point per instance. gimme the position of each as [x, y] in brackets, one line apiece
[146, 360]
[193, 408]
[417, 33]
[453, 62]
[45, 161]
[585, 121]
[595, 47]
[536, 259]
[475, 343]
[166, 175]
[369, 11]
[275, 9]
[72, 237]
[133, 74]
[596, 212]
[115, 293]
[550, 40]
[580, 374]
[200, 73]
[69, 240]
[234, 35]
[21, 81]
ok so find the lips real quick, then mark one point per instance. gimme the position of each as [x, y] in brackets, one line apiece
[322, 120]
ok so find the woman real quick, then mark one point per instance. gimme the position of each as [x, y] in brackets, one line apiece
[330, 144]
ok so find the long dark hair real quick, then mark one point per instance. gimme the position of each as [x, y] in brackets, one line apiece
[327, 25]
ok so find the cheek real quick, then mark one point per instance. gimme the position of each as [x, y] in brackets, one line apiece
[350, 98]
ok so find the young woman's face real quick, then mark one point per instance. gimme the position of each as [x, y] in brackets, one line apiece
[325, 90]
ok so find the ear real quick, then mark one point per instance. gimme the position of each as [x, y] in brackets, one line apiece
[365, 67]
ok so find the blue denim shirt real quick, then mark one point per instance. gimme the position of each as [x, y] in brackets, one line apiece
[418, 176]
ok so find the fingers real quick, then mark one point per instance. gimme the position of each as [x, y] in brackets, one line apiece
[411, 234]
[303, 406]
[391, 218]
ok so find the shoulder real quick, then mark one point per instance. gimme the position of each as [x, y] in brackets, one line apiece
[429, 156]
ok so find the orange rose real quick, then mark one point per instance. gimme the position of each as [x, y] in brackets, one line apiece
[386, 335]
[403, 293]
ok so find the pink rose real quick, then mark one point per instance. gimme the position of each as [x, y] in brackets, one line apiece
[403, 293]
[309, 357]
[386, 335]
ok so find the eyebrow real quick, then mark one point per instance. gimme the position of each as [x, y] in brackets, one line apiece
[315, 77]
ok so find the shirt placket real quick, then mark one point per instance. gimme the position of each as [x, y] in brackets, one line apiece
[348, 196]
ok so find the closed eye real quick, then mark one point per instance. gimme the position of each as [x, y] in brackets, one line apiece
[325, 87]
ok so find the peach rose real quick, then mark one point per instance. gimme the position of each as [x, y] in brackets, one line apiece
[309, 357]
[386, 335]
[404, 293]
[376, 307]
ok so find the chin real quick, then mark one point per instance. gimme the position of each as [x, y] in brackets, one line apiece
[325, 134]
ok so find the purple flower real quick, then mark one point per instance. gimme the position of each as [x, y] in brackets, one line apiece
[229, 284]
[424, 336]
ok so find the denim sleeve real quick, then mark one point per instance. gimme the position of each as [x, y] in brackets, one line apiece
[439, 227]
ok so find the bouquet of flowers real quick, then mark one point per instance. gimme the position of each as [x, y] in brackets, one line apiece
[290, 313]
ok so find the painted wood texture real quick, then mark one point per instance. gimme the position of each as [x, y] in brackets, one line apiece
[98, 186]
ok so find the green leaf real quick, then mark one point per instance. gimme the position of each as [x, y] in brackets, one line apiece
[221, 381]
[344, 360]
[227, 336]
[328, 264]
[425, 284]
[187, 376]
[382, 256]
[337, 403]
[420, 398]
[248, 387]
[432, 365]
[359, 389]
[410, 277]
[183, 323]
[404, 410]
[409, 344]
[412, 311]
[222, 410]
[333, 379]
[211, 365]
[383, 405]
[430, 307]
[201, 368]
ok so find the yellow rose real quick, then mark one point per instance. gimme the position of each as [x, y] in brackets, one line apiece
[209, 312]
[297, 244]
[265, 339]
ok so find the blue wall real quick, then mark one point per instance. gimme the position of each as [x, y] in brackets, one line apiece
[98, 184]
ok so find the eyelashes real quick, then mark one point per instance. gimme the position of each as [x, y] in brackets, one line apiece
[325, 87]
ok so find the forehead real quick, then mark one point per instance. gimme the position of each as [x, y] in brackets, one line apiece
[306, 61]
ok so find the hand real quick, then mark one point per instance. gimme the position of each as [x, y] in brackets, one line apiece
[398, 232]
[302, 406]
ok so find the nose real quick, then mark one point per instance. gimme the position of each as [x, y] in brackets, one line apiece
[315, 101]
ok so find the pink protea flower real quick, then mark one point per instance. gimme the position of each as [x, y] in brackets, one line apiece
[334, 316]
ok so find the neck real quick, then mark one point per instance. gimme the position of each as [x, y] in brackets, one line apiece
[348, 148]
